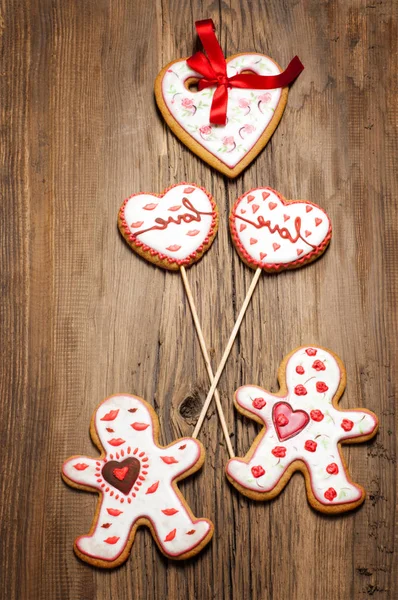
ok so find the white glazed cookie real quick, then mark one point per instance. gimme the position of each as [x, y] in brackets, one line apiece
[252, 117]
[171, 229]
[302, 430]
[273, 233]
[136, 480]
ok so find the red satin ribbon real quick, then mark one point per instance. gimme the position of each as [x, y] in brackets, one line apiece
[213, 68]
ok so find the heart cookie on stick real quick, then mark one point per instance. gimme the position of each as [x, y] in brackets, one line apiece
[271, 234]
[173, 230]
[224, 110]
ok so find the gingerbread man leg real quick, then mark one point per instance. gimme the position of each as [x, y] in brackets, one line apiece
[137, 480]
[303, 430]
[110, 533]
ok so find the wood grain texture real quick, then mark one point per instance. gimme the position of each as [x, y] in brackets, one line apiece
[82, 317]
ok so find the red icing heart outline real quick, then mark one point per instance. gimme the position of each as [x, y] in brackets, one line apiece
[297, 420]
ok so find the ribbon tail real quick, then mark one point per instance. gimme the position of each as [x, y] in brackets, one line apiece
[218, 111]
[269, 82]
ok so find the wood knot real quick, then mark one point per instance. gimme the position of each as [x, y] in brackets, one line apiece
[190, 408]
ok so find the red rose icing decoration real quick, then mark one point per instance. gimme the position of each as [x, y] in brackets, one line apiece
[300, 370]
[288, 422]
[321, 387]
[259, 403]
[318, 365]
[330, 494]
[281, 420]
[279, 451]
[311, 351]
[310, 445]
[347, 424]
[316, 415]
[258, 471]
[332, 469]
[300, 390]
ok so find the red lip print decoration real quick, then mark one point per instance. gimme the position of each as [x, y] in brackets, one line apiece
[152, 489]
[177, 233]
[291, 421]
[111, 415]
[80, 466]
[170, 536]
[114, 512]
[122, 475]
[139, 426]
[112, 540]
[116, 441]
[281, 228]
[169, 460]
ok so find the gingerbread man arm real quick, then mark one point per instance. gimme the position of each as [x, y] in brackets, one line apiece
[82, 470]
[355, 423]
[256, 400]
[181, 456]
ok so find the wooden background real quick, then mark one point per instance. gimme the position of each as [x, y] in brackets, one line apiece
[82, 317]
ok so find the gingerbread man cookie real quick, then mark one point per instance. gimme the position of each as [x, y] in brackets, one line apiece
[137, 483]
[303, 431]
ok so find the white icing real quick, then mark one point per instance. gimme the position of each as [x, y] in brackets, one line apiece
[259, 243]
[326, 433]
[249, 111]
[149, 505]
[189, 236]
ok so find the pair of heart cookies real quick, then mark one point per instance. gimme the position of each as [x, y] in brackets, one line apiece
[175, 228]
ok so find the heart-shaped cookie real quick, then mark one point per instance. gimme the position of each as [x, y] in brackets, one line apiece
[171, 229]
[252, 116]
[288, 422]
[273, 233]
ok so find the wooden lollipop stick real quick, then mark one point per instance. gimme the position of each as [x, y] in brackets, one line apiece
[226, 352]
[207, 361]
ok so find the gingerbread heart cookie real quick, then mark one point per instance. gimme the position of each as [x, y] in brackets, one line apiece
[273, 233]
[224, 110]
[171, 229]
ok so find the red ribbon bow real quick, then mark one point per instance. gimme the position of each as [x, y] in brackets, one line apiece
[213, 67]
